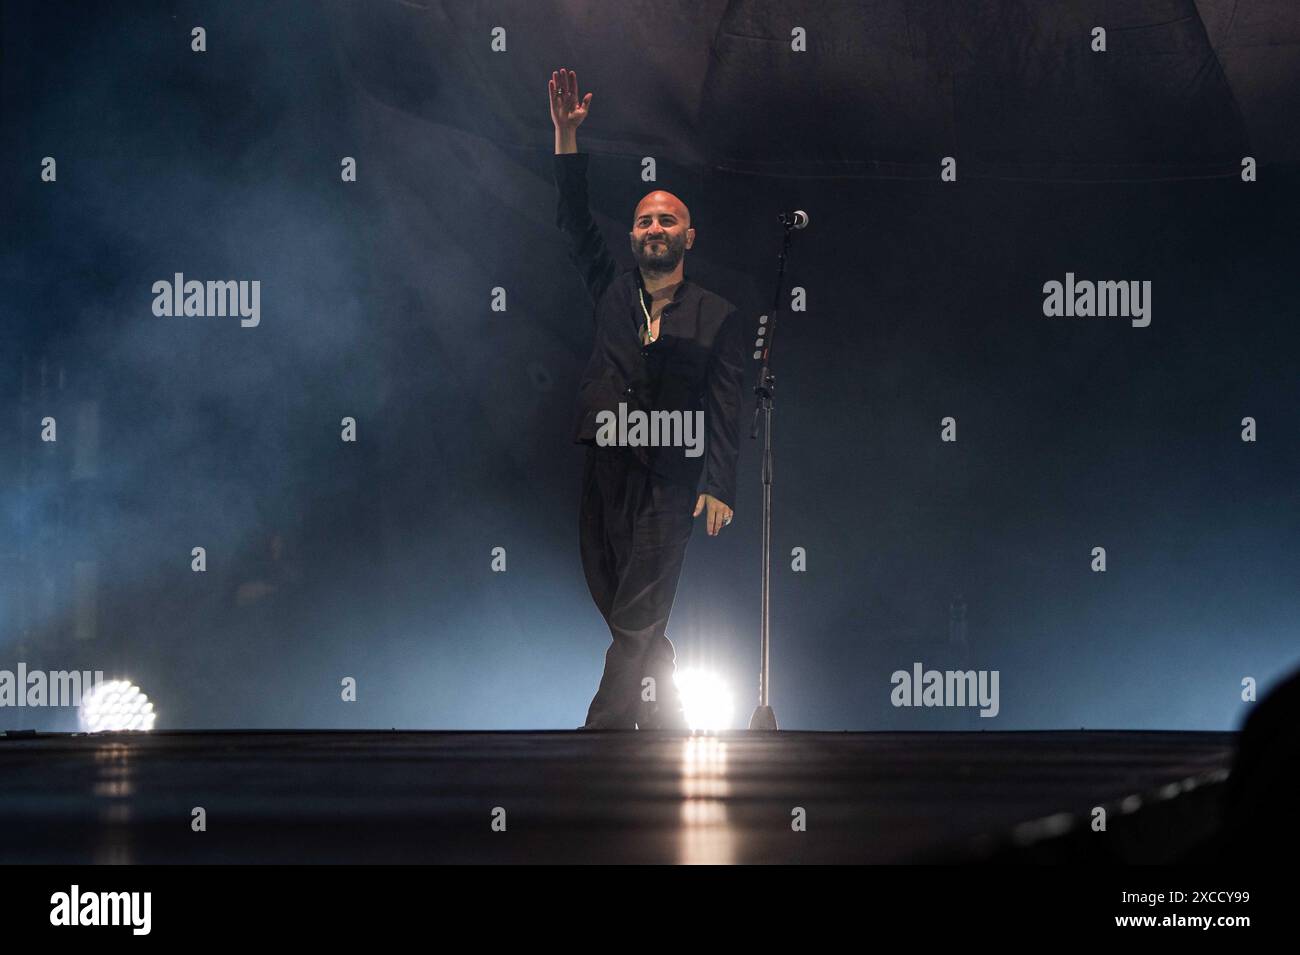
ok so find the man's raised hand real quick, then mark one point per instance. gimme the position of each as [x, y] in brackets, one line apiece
[568, 109]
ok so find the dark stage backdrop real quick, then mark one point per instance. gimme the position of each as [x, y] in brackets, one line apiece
[373, 559]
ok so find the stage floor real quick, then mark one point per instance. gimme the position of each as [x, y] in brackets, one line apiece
[626, 797]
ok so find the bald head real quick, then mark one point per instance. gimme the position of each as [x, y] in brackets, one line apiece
[661, 232]
[659, 201]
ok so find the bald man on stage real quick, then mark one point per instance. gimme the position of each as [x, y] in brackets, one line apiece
[664, 347]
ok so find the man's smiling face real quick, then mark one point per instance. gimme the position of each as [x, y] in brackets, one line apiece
[661, 232]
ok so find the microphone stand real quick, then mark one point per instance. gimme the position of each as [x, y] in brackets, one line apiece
[764, 718]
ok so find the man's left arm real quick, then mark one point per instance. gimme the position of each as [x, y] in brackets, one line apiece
[724, 395]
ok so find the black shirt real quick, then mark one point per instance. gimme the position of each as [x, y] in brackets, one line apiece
[696, 363]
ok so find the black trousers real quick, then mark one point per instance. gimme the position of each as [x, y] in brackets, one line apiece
[633, 530]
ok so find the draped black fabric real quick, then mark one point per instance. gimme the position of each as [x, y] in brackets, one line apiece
[1185, 87]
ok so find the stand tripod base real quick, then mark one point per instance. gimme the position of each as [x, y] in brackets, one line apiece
[764, 718]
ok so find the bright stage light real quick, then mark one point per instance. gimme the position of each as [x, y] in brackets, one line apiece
[115, 705]
[706, 700]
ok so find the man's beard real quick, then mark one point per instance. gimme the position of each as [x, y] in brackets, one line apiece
[663, 259]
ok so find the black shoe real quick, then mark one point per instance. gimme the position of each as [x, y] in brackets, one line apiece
[662, 718]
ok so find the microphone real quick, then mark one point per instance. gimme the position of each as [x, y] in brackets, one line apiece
[794, 220]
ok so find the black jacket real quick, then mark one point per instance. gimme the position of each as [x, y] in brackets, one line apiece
[697, 362]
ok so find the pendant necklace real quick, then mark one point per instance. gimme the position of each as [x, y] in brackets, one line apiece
[649, 337]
